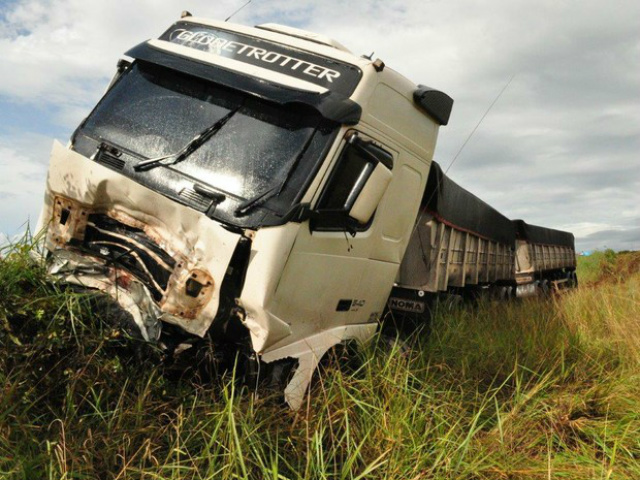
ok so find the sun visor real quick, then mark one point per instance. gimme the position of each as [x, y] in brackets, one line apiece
[331, 105]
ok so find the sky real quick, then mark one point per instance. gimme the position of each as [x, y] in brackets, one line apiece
[560, 147]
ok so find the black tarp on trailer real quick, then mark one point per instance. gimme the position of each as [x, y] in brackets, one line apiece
[543, 235]
[451, 204]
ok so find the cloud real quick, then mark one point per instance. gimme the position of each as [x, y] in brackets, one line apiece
[627, 239]
[559, 148]
[23, 170]
[63, 52]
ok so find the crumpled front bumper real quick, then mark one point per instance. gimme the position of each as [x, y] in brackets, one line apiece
[159, 260]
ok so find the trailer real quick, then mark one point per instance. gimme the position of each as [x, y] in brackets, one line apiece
[458, 241]
[545, 259]
[462, 246]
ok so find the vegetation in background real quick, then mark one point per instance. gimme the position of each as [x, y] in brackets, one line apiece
[514, 390]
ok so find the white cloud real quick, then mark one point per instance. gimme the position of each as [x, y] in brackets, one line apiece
[63, 52]
[23, 170]
[559, 148]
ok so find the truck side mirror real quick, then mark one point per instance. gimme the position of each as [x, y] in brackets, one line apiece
[356, 186]
[368, 196]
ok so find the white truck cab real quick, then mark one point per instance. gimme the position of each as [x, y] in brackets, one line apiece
[257, 187]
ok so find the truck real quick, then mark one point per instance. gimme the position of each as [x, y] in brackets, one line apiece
[268, 192]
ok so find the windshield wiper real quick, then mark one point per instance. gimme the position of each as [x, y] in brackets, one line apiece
[260, 199]
[189, 148]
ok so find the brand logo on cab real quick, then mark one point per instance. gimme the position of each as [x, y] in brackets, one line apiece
[220, 46]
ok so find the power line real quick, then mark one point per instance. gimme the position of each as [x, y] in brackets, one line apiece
[422, 210]
[479, 122]
[227, 19]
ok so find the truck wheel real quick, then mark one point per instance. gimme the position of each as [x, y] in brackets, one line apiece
[390, 342]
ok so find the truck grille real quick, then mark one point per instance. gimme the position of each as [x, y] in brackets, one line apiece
[195, 200]
[129, 248]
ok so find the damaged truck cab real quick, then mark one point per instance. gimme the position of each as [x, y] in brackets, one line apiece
[258, 186]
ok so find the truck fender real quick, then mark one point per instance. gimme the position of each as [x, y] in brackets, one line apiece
[309, 351]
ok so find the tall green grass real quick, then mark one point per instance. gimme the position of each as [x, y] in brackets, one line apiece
[498, 391]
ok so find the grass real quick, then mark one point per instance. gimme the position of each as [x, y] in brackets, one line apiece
[502, 391]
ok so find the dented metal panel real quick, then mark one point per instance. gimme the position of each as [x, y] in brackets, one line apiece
[310, 350]
[123, 227]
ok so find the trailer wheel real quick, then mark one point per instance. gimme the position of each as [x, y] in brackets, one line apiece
[504, 293]
[544, 288]
[510, 293]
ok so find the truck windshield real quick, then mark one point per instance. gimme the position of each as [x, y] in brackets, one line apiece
[153, 111]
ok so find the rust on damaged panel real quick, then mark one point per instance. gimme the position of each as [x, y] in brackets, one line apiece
[188, 292]
[69, 221]
[189, 288]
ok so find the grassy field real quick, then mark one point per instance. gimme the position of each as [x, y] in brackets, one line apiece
[516, 390]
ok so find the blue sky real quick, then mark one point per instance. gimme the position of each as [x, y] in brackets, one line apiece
[559, 148]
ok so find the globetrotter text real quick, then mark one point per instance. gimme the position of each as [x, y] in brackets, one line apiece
[219, 44]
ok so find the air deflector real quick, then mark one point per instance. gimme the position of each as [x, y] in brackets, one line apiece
[436, 103]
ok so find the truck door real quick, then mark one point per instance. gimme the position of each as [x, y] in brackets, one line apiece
[334, 275]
